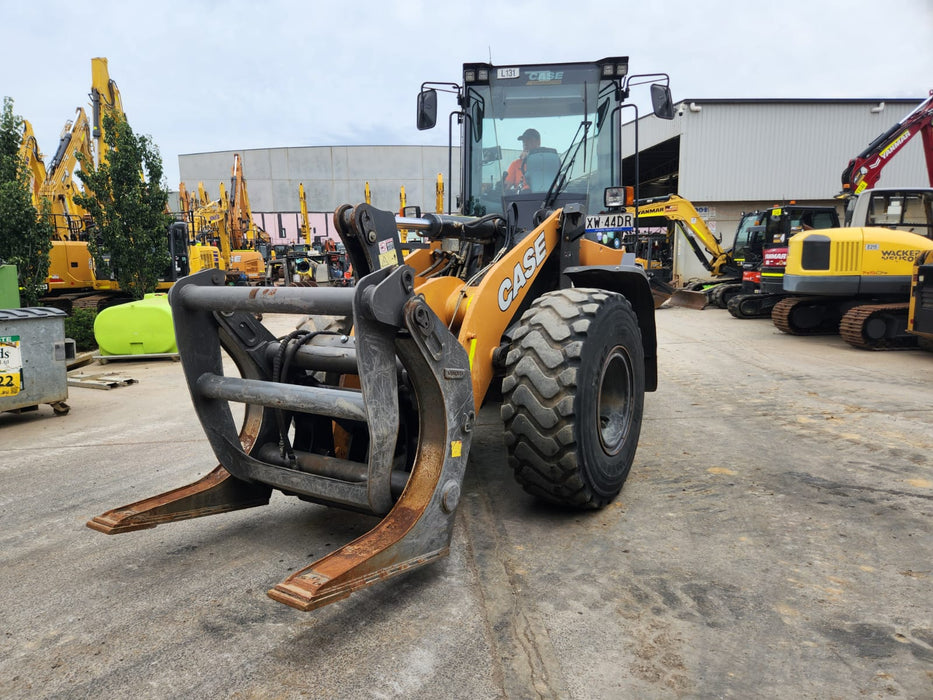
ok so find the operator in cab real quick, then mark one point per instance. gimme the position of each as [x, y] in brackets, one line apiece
[515, 176]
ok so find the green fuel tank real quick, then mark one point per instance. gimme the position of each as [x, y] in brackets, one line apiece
[141, 327]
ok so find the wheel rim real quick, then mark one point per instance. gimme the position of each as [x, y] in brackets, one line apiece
[615, 400]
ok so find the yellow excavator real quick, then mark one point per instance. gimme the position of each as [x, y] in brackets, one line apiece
[71, 280]
[202, 254]
[376, 411]
[227, 224]
[245, 235]
[647, 228]
[71, 276]
[51, 191]
[856, 280]
[60, 187]
[35, 163]
[70, 265]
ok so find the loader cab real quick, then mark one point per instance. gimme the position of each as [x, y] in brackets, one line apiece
[539, 134]
[178, 252]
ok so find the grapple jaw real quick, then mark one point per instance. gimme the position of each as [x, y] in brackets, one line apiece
[378, 422]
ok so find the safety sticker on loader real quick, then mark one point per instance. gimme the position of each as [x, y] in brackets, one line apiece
[11, 365]
[387, 255]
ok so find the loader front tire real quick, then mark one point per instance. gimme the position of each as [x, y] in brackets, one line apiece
[573, 396]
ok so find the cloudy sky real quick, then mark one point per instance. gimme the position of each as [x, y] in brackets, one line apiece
[200, 75]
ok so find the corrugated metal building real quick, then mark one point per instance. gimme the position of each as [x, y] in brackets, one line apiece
[732, 156]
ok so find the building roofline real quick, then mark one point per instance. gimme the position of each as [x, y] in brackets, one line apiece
[329, 145]
[799, 100]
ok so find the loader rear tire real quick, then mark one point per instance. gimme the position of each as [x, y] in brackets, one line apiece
[573, 396]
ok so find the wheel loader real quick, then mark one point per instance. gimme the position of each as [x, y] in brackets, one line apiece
[374, 408]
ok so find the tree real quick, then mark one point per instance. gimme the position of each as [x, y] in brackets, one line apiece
[25, 237]
[127, 203]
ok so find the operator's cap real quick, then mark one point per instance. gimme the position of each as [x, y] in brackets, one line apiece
[530, 134]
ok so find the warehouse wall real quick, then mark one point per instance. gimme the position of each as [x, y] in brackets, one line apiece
[741, 150]
[332, 175]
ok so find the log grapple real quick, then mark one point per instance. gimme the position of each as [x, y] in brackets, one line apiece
[372, 448]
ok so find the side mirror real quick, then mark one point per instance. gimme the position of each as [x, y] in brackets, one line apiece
[662, 102]
[427, 109]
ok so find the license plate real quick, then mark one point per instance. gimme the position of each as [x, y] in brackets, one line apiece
[610, 222]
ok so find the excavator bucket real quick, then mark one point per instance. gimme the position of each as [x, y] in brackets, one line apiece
[378, 422]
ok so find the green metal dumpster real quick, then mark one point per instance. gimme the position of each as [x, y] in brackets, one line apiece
[9, 287]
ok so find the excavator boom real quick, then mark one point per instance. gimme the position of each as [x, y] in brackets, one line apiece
[863, 172]
[35, 166]
[683, 216]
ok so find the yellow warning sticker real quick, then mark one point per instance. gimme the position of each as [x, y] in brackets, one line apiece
[387, 259]
[10, 384]
[11, 365]
[456, 448]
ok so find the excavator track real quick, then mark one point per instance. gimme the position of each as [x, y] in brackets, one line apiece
[806, 316]
[752, 305]
[877, 327]
[722, 294]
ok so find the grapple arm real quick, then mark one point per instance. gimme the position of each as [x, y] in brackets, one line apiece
[394, 447]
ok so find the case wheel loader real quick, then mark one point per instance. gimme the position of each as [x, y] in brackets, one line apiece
[375, 411]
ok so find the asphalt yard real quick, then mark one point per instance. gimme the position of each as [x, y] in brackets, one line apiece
[773, 540]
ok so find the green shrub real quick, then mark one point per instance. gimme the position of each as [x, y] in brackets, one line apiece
[79, 326]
